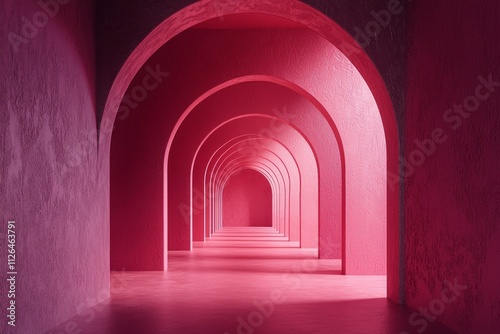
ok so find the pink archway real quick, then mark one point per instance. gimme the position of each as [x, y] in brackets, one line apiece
[298, 194]
[272, 122]
[378, 103]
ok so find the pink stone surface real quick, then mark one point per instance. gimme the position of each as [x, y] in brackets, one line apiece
[451, 210]
[51, 180]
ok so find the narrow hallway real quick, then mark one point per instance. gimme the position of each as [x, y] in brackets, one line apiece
[253, 167]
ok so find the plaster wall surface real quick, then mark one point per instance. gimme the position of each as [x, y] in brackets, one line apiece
[51, 184]
[452, 198]
[47, 99]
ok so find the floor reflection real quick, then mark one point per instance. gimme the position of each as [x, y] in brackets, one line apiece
[244, 291]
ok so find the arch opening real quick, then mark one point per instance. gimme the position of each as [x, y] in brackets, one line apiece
[380, 105]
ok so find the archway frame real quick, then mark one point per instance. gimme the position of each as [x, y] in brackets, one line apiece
[314, 20]
[235, 142]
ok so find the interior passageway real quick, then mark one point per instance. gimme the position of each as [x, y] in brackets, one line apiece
[374, 125]
[258, 198]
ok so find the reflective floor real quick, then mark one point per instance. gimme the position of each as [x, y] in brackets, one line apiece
[237, 290]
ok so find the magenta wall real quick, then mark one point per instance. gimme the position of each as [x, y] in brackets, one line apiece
[452, 198]
[50, 160]
[51, 182]
[56, 186]
[247, 200]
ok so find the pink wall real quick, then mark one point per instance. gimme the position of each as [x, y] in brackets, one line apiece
[452, 197]
[247, 200]
[49, 158]
[51, 183]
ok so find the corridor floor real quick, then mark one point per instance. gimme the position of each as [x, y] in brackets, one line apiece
[244, 291]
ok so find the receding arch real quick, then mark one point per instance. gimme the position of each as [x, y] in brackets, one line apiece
[283, 173]
[236, 157]
[313, 20]
[325, 236]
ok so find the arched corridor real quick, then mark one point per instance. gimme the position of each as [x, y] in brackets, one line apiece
[257, 166]
[342, 127]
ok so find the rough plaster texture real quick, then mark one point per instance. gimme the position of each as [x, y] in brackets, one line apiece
[452, 199]
[458, 237]
[50, 180]
[121, 26]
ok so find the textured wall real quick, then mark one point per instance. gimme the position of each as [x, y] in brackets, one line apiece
[50, 181]
[452, 193]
